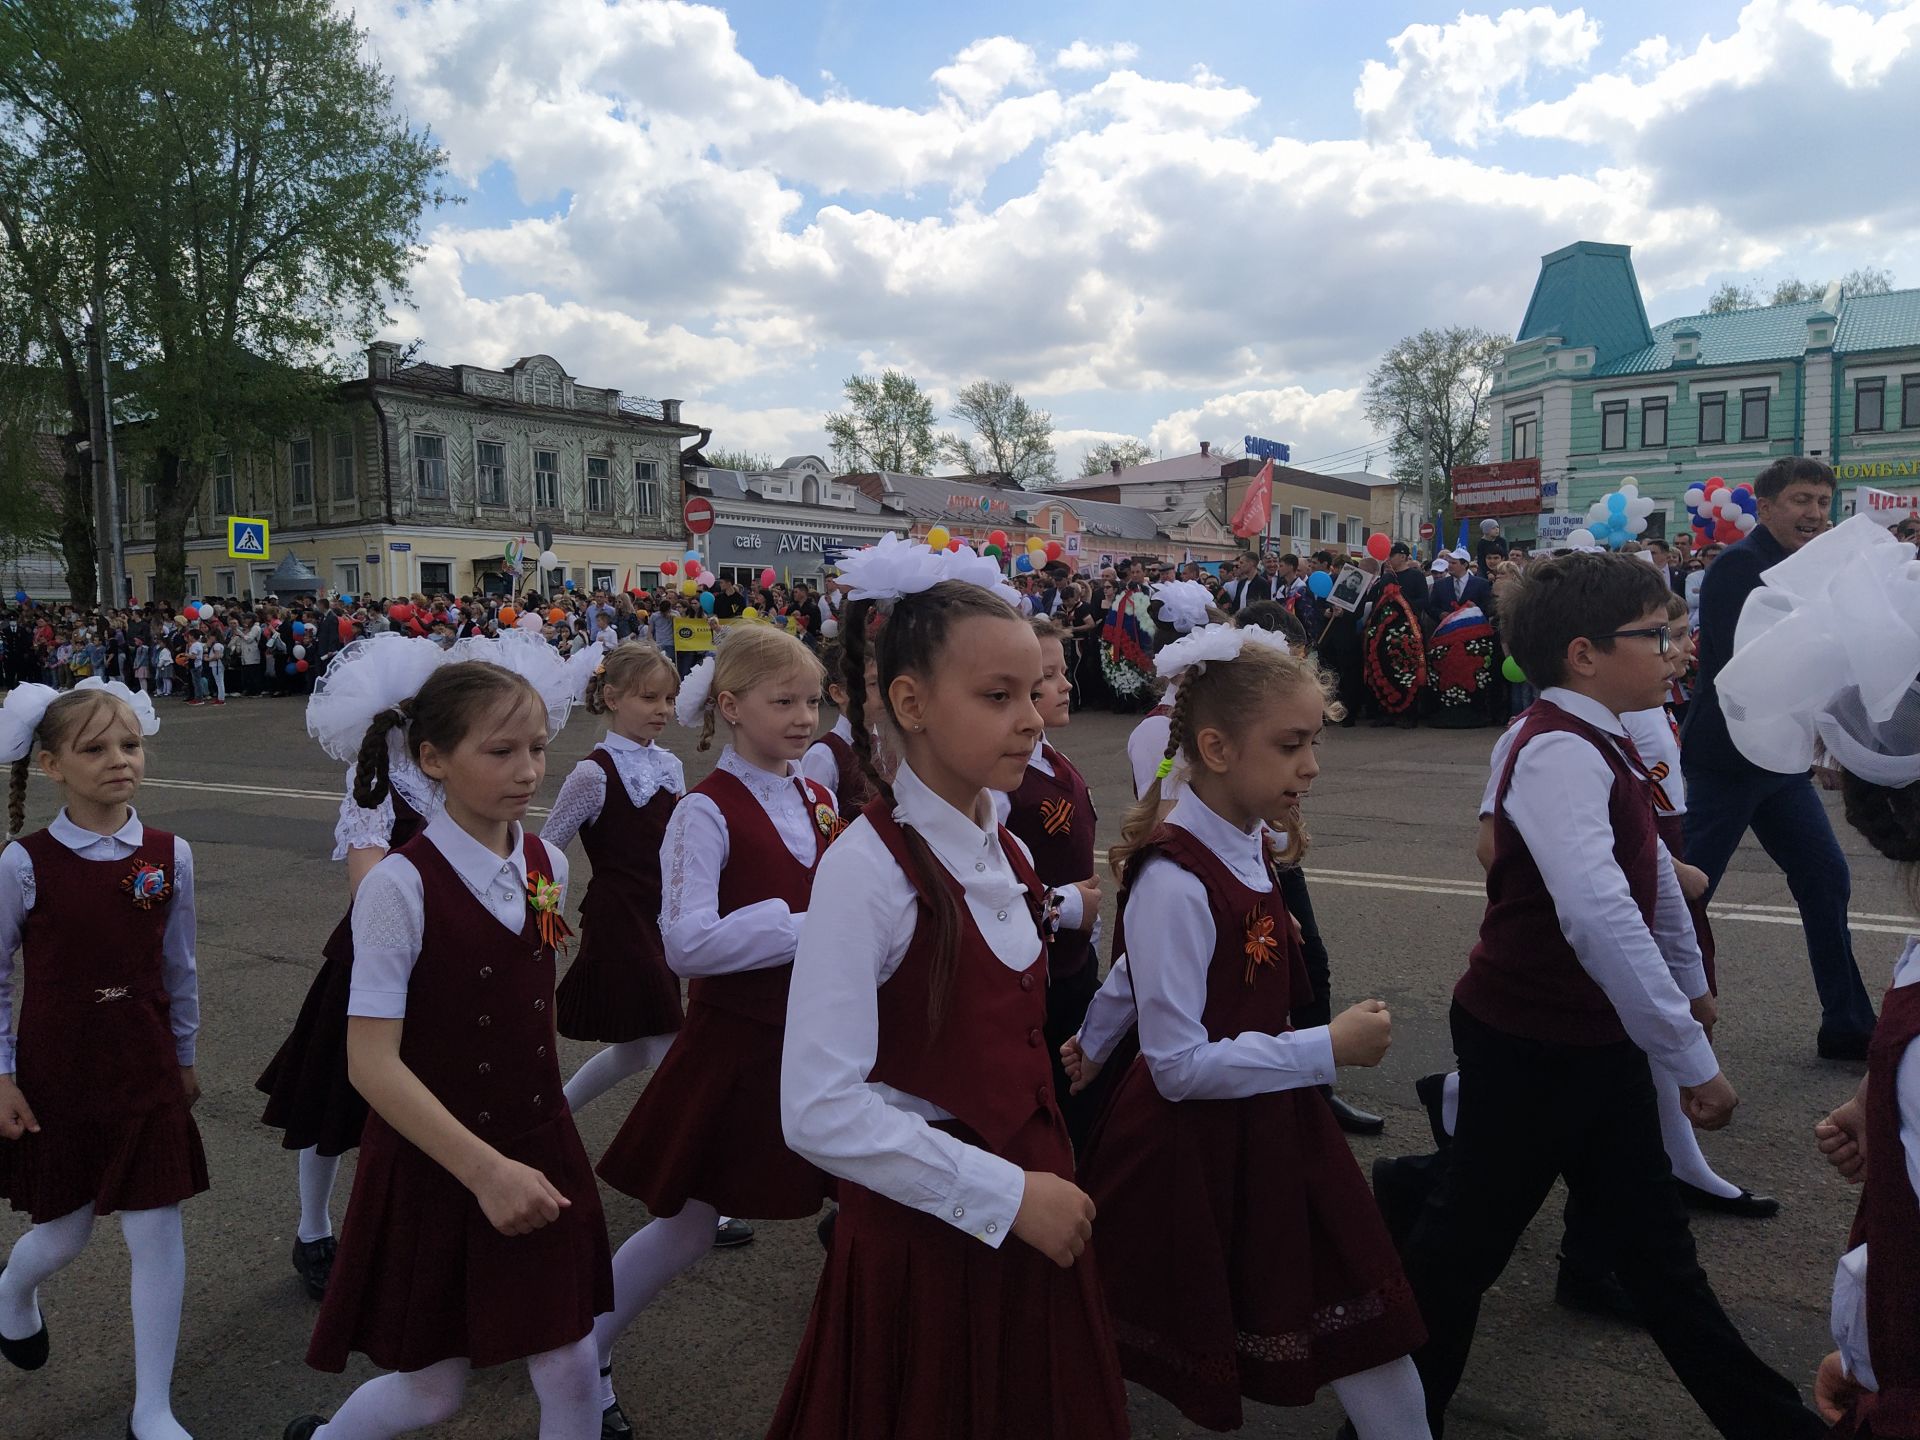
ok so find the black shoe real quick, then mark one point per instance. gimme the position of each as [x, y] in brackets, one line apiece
[313, 1261]
[303, 1428]
[825, 1228]
[614, 1424]
[1346, 1432]
[732, 1233]
[1353, 1119]
[1432, 1090]
[1601, 1296]
[1746, 1205]
[1401, 1184]
[1843, 1044]
[27, 1354]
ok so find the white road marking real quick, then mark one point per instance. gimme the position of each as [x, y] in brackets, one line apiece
[1872, 923]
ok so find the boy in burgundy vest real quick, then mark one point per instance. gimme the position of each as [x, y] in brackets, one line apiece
[1586, 971]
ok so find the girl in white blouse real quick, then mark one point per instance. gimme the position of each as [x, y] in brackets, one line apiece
[959, 1296]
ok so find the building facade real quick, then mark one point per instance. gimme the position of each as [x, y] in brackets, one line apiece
[794, 520]
[1598, 396]
[430, 478]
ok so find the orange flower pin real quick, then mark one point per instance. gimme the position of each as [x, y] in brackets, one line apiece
[545, 898]
[1261, 945]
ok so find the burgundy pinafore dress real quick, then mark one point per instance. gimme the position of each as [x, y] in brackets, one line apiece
[707, 1127]
[920, 1329]
[619, 987]
[95, 1054]
[852, 789]
[422, 1275]
[1888, 1223]
[1243, 1251]
[309, 1096]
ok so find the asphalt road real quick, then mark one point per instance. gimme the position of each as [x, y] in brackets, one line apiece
[1397, 891]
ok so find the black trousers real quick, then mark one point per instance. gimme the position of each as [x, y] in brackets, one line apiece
[1532, 1112]
[1317, 1008]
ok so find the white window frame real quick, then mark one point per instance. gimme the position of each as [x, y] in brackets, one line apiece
[1526, 437]
[223, 503]
[1329, 527]
[646, 488]
[300, 473]
[224, 581]
[431, 591]
[340, 452]
[546, 480]
[594, 572]
[490, 480]
[190, 584]
[1056, 524]
[425, 466]
[346, 577]
[1302, 523]
[605, 479]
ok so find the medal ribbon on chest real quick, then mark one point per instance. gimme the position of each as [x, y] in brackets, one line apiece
[828, 819]
[1056, 815]
[147, 885]
[546, 899]
[1261, 947]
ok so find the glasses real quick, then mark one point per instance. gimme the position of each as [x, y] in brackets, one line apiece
[1656, 632]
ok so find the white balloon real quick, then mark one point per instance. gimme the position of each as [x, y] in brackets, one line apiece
[529, 621]
[299, 652]
[1695, 496]
[1636, 524]
[1746, 522]
[1629, 487]
[549, 560]
[1580, 540]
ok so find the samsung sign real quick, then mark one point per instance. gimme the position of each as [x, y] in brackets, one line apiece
[1266, 449]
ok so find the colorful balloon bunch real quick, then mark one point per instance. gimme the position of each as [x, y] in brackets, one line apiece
[1614, 519]
[1722, 513]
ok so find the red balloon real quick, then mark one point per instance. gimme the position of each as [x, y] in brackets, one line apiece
[669, 567]
[998, 537]
[693, 569]
[301, 666]
[1055, 550]
[1379, 545]
[402, 612]
[767, 578]
[1727, 533]
[346, 631]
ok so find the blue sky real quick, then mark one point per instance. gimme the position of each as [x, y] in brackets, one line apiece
[1171, 222]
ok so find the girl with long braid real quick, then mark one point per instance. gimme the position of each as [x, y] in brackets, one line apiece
[959, 1297]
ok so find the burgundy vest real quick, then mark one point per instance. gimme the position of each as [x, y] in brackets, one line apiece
[407, 822]
[853, 789]
[1161, 709]
[1053, 815]
[1523, 977]
[92, 962]
[1257, 972]
[1889, 1223]
[988, 1066]
[479, 1029]
[759, 867]
[623, 842]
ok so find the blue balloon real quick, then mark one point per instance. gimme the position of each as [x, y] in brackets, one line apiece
[1617, 503]
[706, 601]
[569, 584]
[20, 597]
[691, 555]
[1022, 563]
[346, 599]
[299, 627]
[1320, 583]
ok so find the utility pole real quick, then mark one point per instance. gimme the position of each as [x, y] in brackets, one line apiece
[1426, 483]
[109, 545]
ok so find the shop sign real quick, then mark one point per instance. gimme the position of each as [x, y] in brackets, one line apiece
[1889, 507]
[1555, 526]
[985, 504]
[1877, 470]
[1266, 449]
[1511, 487]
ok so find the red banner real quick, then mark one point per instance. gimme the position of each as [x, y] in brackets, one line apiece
[1257, 509]
[1511, 487]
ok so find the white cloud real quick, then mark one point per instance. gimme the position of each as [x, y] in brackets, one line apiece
[1447, 79]
[1329, 423]
[986, 69]
[1082, 56]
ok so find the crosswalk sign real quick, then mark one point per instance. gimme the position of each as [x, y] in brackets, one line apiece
[246, 539]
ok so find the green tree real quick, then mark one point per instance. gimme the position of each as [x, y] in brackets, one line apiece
[1010, 437]
[887, 425]
[1730, 296]
[1100, 458]
[255, 200]
[1428, 395]
[752, 461]
[1861, 280]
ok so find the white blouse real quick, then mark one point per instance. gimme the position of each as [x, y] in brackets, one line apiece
[1170, 921]
[818, 764]
[857, 932]
[644, 771]
[1849, 1316]
[1147, 747]
[390, 910]
[359, 828]
[698, 939]
[177, 966]
[1651, 732]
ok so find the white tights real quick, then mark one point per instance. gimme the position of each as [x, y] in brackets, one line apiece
[317, 1174]
[158, 1256]
[652, 1256]
[1386, 1402]
[390, 1405]
[612, 1065]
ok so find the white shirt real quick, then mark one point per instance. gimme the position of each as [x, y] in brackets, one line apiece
[1147, 747]
[390, 910]
[359, 828]
[818, 764]
[856, 935]
[644, 771]
[1170, 922]
[1651, 732]
[697, 938]
[1849, 1316]
[177, 972]
[1558, 802]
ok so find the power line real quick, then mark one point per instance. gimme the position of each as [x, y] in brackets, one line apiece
[1371, 447]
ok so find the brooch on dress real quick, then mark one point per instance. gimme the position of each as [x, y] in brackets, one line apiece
[828, 819]
[147, 885]
[546, 898]
[1261, 946]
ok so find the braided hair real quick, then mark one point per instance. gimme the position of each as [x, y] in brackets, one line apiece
[448, 706]
[910, 642]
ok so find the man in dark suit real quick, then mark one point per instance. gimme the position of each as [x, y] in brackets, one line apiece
[1727, 794]
[1663, 561]
[1461, 585]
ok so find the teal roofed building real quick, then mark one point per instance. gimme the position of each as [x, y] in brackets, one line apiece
[1599, 396]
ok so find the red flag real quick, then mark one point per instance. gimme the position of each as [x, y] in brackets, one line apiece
[1257, 509]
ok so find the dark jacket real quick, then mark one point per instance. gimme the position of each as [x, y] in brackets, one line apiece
[1730, 579]
[1450, 594]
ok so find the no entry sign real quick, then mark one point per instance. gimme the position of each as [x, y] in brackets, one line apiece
[699, 515]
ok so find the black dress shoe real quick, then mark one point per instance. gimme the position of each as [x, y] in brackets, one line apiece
[313, 1262]
[1843, 1044]
[303, 1428]
[1401, 1184]
[731, 1233]
[614, 1424]
[1601, 1296]
[1353, 1119]
[27, 1354]
[1432, 1090]
[1746, 1205]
